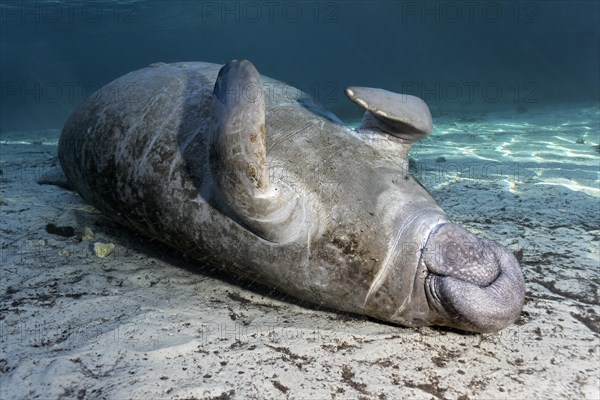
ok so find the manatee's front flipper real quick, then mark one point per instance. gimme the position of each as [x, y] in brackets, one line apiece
[239, 158]
[473, 284]
[401, 115]
[55, 176]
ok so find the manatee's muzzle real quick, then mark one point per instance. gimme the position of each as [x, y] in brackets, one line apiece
[473, 284]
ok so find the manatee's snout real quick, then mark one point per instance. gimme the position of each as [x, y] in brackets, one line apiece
[473, 284]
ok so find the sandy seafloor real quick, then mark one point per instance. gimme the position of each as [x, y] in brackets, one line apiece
[145, 323]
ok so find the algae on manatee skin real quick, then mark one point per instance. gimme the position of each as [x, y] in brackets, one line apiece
[103, 249]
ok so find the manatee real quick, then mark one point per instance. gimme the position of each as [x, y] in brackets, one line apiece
[252, 176]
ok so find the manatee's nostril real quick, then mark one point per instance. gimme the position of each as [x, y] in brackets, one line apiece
[453, 251]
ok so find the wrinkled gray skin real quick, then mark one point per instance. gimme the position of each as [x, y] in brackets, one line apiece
[250, 175]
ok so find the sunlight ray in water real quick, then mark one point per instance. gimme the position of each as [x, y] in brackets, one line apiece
[503, 150]
[511, 186]
[564, 140]
[473, 153]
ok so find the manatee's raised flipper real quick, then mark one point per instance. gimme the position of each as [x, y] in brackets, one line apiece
[402, 115]
[55, 176]
[239, 158]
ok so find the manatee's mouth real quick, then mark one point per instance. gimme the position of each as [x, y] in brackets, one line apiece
[472, 284]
